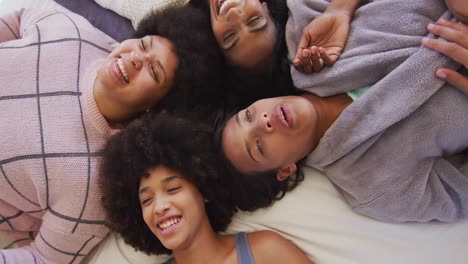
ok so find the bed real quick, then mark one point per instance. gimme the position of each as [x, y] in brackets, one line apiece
[314, 216]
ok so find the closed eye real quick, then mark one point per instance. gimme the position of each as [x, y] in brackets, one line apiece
[228, 36]
[254, 21]
[171, 190]
[143, 44]
[145, 201]
[155, 74]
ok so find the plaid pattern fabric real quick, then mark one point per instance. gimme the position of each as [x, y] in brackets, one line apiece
[51, 136]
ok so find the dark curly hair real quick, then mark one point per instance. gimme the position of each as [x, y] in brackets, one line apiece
[258, 190]
[273, 79]
[201, 72]
[176, 143]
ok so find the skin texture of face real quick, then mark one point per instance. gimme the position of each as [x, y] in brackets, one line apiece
[244, 30]
[135, 76]
[173, 208]
[459, 9]
[270, 134]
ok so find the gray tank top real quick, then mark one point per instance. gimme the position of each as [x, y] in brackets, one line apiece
[244, 255]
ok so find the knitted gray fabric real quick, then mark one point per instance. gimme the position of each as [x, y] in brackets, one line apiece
[399, 152]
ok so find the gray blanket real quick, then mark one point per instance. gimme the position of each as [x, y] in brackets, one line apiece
[399, 152]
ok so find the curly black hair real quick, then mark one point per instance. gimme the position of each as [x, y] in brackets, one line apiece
[253, 191]
[273, 79]
[200, 76]
[179, 144]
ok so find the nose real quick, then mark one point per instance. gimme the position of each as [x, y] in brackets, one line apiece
[161, 206]
[234, 14]
[264, 123]
[138, 59]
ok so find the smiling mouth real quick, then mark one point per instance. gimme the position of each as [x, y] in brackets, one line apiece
[167, 224]
[122, 70]
[224, 5]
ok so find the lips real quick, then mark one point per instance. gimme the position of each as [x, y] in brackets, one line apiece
[115, 69]
[122, 69]
[222, 6]
[284, 115]
[169, 224]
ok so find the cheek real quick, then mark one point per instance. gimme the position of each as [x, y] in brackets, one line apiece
[218, 30]
[146, 212]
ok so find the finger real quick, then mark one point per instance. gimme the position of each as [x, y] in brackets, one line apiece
[454, 78]
[329, 61]
[450, 33]
[454, 25]
[302, 44]
[315, 59]
[298, 65]
[453, 50]
[305, 61]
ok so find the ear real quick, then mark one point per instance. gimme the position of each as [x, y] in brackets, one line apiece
[265, 6]
[285, 172]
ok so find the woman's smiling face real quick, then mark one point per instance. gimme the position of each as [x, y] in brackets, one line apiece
[244, 30]
[137, 74]
[172, 207]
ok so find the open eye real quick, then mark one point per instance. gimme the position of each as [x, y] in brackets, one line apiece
[259, 147]
[248, 115]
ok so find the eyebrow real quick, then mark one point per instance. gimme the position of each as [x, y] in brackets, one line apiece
[165, 180]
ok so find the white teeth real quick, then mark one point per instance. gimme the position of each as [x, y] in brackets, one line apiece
[224, 5]
[122, 69]
[169, 223]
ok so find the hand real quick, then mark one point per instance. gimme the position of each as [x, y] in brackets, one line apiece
[456, 47]
[322, 42]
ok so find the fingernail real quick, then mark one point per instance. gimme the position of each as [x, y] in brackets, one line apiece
[305, 53]
[430, 26]
[424, 40]
[441, 74]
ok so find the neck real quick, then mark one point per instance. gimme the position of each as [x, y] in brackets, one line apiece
[115, 115]
[208, 247]
[328, 110]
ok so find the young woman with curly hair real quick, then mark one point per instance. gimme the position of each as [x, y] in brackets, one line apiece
[63, 93]
[163, 193]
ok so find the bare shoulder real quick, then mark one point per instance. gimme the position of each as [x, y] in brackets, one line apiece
[270, 247]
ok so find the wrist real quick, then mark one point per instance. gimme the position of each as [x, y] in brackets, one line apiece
[343, 7]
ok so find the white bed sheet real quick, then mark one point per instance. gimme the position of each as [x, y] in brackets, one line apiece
[316, 218]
